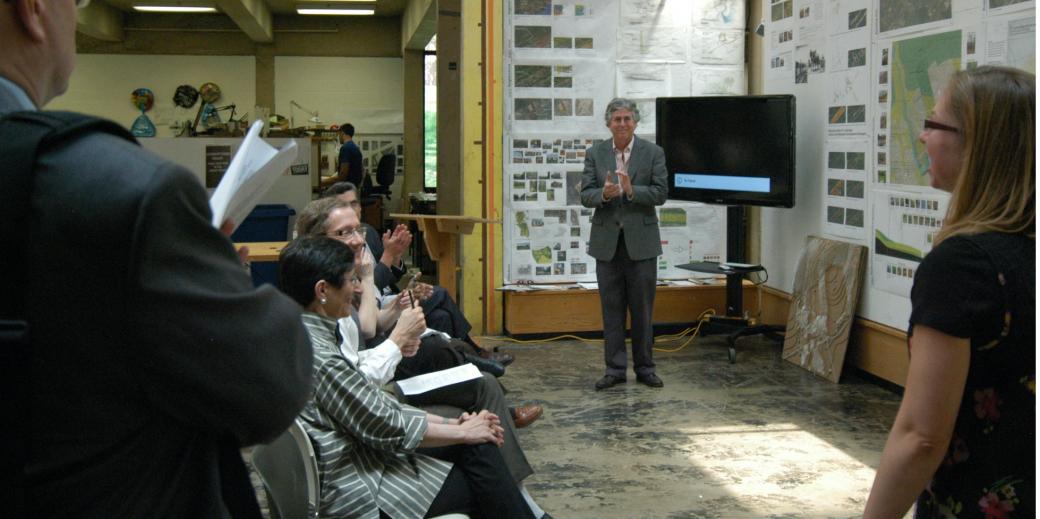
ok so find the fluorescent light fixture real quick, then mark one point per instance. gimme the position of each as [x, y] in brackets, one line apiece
[174, 9]
[334, 11]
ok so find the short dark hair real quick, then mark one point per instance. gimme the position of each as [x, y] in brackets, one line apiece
[338, 189]
[310, 259]
[347, 129]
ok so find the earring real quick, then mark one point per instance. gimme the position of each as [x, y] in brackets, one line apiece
[323, 300]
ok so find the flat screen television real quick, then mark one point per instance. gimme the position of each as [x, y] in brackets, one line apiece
[731, 150]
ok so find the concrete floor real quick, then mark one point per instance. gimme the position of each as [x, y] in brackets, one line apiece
[759, 438]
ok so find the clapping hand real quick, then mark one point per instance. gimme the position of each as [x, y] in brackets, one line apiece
[625, 181]
[397, 240]
[611, 190]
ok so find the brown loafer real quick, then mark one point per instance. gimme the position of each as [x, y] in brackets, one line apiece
[525, 415]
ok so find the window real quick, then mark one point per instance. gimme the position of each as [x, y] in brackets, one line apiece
[430, 116]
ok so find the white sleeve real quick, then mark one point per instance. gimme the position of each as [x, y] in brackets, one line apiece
[378, 364]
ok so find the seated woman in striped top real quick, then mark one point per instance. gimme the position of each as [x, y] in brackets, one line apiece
[376, 456]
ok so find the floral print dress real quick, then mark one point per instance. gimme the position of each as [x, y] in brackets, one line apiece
[982, 287]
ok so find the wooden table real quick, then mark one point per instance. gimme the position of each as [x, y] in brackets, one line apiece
[261, 251]
[440, 233]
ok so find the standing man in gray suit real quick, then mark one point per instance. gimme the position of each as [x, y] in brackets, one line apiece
[624, 180]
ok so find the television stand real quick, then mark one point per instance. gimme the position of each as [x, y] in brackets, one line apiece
[733, 324]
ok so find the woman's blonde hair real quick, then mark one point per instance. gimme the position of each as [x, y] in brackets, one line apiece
[995, 108]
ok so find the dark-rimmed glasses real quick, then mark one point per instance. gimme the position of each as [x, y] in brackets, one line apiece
[934, 125]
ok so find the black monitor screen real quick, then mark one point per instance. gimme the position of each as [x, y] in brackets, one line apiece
[732, 150]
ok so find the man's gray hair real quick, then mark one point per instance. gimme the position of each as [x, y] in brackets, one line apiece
[620, 103]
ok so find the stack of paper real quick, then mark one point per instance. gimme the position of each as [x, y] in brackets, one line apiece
[253, 170]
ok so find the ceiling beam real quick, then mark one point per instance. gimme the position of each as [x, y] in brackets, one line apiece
[101, 21]
[418, 24]
[252, 16]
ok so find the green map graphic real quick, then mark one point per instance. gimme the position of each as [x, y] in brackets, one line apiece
[542, 256]
[920, 67]
[673, 217]
[521, 224]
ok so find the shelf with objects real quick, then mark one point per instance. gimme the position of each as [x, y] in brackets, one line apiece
[734, 151]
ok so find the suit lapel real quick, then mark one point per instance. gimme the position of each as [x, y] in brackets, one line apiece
[607, 158]
[635, 163]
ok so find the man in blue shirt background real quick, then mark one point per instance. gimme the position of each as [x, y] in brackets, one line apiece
[349, 168]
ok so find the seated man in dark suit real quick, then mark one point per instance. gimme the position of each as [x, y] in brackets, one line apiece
[442, 313]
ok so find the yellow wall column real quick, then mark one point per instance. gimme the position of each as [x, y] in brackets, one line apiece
[471, 65]
[493, 156]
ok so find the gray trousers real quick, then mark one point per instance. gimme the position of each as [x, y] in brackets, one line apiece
[474, 396]
[627, 286]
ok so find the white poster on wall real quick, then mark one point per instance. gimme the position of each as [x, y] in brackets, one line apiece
[845, 199]
[905, 224]
[1011, 41]
[564, 61]
[720, 14]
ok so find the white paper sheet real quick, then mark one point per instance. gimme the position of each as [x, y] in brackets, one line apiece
[252, 172]
[438, 379]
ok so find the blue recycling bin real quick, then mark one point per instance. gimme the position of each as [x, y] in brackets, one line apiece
[267, 222]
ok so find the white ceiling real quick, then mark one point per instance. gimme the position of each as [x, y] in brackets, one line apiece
[105, 19]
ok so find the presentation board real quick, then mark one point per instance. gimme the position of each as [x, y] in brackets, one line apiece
[866, 73]
[564, 61]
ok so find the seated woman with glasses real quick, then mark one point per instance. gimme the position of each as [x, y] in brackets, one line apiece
[376, 456]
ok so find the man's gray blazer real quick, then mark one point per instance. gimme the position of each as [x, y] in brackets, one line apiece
[638, 216]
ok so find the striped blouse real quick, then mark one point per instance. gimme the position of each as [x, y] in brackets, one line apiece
[364, 439]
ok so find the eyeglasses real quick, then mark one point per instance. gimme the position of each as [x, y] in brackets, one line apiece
[933, 125]
[347, 233]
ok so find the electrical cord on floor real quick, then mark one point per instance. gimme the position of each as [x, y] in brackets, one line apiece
[691, 332]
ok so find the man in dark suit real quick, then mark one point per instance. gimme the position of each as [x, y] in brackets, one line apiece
[624, 180]
[153, 358]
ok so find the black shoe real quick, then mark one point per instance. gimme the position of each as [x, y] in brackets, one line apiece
[608, 381]
[650, 379]
[487, 365]
[504, 359]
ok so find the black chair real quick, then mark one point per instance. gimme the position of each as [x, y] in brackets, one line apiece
[371, 195]
[385, 172]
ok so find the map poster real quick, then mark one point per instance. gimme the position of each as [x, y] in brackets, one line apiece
[905, 225]
[901, 16]
[920, 68]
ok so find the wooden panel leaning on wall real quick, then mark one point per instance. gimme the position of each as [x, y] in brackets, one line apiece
[875, 348]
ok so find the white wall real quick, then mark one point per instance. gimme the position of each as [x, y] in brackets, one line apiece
[101, 85]
[366, 92]
[292, 190]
